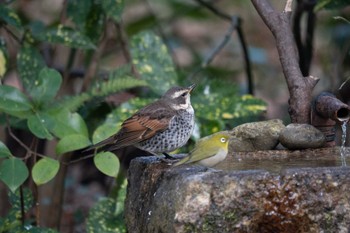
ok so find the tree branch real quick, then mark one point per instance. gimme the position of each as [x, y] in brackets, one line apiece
[300, 88]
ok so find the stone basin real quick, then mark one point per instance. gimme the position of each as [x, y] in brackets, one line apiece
[262, 191]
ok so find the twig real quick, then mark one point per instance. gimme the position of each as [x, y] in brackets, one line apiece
[77, 160]
[14, 36]
[215, 10]
[236, 23]
[29, 151]
[92, 69]
[304, 47]
[125, 47]
[22, 205]
[221, 45]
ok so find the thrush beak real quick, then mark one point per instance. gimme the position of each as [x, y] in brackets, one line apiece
[191, 87]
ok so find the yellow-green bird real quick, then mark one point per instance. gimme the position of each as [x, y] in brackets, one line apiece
[209, 150]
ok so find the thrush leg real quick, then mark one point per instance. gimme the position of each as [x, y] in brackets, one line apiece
[168, 156]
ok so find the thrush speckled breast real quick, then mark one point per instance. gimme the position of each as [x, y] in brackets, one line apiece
[159, 127]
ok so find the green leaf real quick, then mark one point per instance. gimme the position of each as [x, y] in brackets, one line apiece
[104, 131]
[78, 11]
[65, 35]
[331, 4]
[114, 84]
[3, 58]
[45, 170]
[67, 123]
[153, 61]
[88, 17]
[9, 16]
[15, 199]
[13, 100]
[103, 218]
[39, 124]
[13, 172]
[71, 143]
[4, 151]
[102, 89]
[113, 8]
[46, 85]
[29, 64]
[107, 163]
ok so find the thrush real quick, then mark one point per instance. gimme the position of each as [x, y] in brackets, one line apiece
[160, 127]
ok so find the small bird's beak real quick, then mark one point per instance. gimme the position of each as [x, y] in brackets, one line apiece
[191, 87]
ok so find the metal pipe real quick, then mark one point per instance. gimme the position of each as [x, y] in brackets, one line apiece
[327, 110]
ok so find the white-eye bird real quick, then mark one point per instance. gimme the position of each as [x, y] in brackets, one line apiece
[208, 151]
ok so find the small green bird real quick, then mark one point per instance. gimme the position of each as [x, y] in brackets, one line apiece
[209, 150]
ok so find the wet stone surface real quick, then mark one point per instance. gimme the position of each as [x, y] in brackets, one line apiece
[197, 199]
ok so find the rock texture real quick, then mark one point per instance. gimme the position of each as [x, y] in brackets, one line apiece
[262, 135]
[301, 136]
[165, 199]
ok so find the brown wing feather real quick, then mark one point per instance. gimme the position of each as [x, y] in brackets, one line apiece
[141, 126]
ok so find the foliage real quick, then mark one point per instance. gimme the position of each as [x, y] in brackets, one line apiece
[12, 221]
[331, 4]
[107, 214]
[152, 60]
[41, 106]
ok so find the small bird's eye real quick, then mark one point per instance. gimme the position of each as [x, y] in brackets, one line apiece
[184, 94]
[223, 139]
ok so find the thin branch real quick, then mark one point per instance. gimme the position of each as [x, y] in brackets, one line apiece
[92, 69]
[28, 150]
[236, 23]
[14, 36]
[77, 160]
[22, 205]
[215, 10]
[125, 47]
[220, 46]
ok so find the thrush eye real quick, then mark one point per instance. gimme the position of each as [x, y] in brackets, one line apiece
[223, 139]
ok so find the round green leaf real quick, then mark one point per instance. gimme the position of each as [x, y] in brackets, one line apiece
[67, 123]
[13, 172]
[72, 142]
[44, 170]
[104, 131]
[12, 99]
[46, 85]
[4, 151]
[39, 124]
[107, 163]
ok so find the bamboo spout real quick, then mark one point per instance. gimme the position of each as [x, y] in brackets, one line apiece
[326, 112]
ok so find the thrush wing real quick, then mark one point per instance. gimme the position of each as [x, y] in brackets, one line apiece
[141, 126]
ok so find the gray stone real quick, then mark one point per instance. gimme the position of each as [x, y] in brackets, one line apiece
[165, 199]
[301, 136]
[256, 136]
